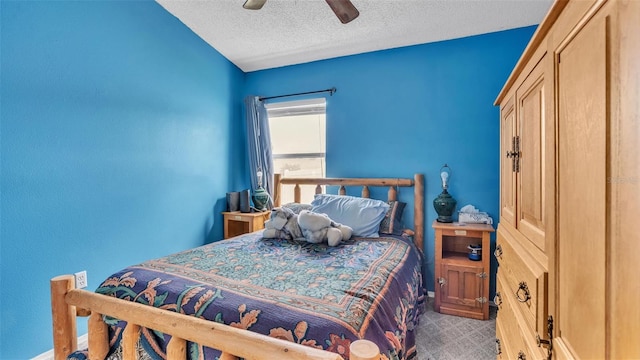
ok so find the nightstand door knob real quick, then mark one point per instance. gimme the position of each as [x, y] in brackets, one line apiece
[521, 355]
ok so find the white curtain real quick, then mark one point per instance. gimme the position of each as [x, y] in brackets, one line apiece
[259, 144]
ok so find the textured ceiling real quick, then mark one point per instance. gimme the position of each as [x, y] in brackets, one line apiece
[287, 32]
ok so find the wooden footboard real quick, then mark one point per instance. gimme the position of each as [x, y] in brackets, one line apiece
[66, 302]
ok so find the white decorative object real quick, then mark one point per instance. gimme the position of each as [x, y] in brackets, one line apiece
[470, 215]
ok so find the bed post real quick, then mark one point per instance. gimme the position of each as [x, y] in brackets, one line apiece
[98, 336]
[130, 337]
[364, 350]
[418, 210]
[65, 339]
[176, 349]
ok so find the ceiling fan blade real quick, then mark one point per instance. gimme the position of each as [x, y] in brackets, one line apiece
[344, 10]
[254, 4]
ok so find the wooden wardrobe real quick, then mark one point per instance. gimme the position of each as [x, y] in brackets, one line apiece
[568, 243]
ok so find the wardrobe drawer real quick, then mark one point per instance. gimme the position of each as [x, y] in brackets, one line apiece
[525, 282]
[511, 342]
[502, 353]
[517, 340]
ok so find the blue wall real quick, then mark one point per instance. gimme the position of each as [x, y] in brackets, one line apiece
[121, 132]
[116, 128]
[410, 110]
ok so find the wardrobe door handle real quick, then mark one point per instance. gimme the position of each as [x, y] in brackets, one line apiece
[498, 347]
[521, 355]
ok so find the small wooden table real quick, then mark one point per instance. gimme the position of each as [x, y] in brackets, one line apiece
[238, 223]
[462, 285]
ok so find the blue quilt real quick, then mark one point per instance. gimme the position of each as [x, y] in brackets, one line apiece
[312, 294]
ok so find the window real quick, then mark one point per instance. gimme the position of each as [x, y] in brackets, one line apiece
[298, 142]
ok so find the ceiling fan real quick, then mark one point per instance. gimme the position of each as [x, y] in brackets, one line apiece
[344, 9]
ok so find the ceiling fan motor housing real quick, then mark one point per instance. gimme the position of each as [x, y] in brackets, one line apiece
[344, 9]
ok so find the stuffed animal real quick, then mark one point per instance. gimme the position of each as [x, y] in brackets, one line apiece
[318, 228]
[282, 224]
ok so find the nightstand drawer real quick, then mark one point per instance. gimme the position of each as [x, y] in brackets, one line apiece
[238, 223]
[244, 217]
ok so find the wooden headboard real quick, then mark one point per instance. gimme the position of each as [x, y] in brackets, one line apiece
[392, 183]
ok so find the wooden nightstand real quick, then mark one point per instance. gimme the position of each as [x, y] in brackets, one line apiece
[462, 285]
[238, 223]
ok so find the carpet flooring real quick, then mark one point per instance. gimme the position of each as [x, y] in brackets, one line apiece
[447, 337]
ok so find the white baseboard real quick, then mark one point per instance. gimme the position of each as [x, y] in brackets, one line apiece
[83, 343]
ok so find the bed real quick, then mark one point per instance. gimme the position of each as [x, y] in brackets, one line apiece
[255, 298]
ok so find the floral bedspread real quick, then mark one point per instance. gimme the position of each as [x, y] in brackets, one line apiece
[312, 294]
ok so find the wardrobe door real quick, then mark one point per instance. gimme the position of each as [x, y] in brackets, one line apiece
[507, 163]
[624, 183]
[580, 266]
[531, 143]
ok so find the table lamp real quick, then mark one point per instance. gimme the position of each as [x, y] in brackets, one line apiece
[260, 196]
[444, 203]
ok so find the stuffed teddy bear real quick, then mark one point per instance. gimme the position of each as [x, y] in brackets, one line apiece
[282, 224]
[318, 228]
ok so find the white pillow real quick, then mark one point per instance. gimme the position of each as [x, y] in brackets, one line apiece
[361, 214]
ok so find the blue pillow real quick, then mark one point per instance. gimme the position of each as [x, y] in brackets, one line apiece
[392, 222]
[361, 214]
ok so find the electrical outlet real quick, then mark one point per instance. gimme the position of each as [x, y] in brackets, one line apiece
[81, 279]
